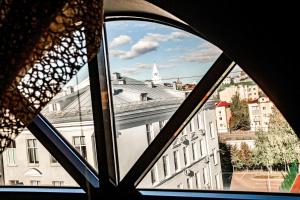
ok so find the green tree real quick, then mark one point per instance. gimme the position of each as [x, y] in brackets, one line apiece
[240, 116]
[235, 157]
[279, 145]
[284, 139]
[246, 155]
[226, 164]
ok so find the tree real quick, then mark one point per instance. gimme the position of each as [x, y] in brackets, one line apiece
[285, 140]
[240, 115]
[279, 145]
[226, 164]
[246, 155]
[235, 157]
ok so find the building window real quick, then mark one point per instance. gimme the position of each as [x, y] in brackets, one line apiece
[218, 183]
[52, 160]
[14, 182]
[205, 175]
[202, 148]
[200, 125]
[11, 153]
[79, 144]
[220, 118]
[166, 165]
[35, 182]
[215, 156]
[176, 160]
[185, 156]
[192, 125]
[32, 151]
[197, 180]
[194, 151]
[211, 130]
[189, 183]
[264, 108]
[154, 174]
[184, 131]
[150, 133]
[57, 183]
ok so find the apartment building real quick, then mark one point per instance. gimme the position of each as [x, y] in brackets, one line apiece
[259, 113]
[247, 92]
[140, 111]
[223, 115]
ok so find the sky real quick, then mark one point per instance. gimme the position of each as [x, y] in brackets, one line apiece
[134, 47]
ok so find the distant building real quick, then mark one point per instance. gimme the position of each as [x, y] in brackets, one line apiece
[247, 92]
[223, 115]
[226, 80]
[259, 113]
[177, 85]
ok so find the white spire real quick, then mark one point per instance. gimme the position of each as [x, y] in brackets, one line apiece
[155, 75]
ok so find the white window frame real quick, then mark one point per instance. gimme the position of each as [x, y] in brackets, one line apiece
[81, 147]
[154, 174]
[189, 183]
[166, 166]
[176, 156]
[194, 151]
[186, 155]
[32, 151]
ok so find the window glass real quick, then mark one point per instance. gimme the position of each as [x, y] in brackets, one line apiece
[70, 112]
[153, 69]
[254, 150]
[26, 162]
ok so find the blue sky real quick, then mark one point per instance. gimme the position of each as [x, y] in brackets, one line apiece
[134, 46]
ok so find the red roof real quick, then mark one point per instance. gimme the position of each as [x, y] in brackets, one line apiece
[223, 104]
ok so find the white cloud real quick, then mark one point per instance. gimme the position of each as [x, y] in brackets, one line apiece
[120, 40]
[148, 43]
[204, 54]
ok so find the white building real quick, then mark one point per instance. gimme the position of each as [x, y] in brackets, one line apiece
[246, 92]
[223, 115]
[226, 80]
[259, 113]
[191, 162]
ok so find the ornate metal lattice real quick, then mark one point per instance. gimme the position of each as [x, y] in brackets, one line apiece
[42, 45]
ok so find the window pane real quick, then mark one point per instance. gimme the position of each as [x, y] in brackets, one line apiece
[28, 163]
[153, 68]
[70, 112]
[255, 149]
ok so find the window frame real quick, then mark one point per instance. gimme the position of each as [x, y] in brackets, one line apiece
[77, 193]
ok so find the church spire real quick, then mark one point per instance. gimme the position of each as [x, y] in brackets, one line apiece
[155, 75]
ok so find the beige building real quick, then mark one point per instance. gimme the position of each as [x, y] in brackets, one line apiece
[223, 115]
[259, 113]
[245, 91]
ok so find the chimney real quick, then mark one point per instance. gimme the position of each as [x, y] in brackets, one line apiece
[144, 96]
[149, 83]
[116, 76]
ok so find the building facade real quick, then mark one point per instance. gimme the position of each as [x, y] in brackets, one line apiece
[223, 115]
[140, 111]
[259, 113]
[245, 91]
